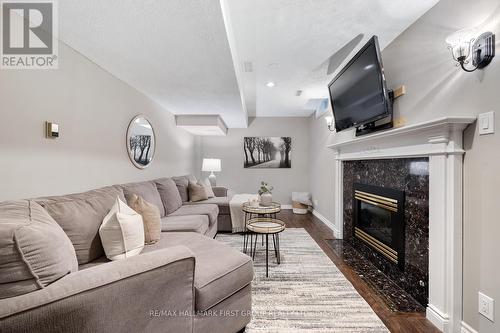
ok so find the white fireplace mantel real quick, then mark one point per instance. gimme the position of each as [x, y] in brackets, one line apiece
[441, 141]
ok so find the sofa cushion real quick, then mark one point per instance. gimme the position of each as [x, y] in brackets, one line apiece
[208, 187]
[220, 270]
[201, 209]
[122, 232]
[182, 183]
[34, 250]
[194, 223]
[150, 218]
[80, 215]
[146, 190]
[221, 202]
[169, 194]
[197, 192]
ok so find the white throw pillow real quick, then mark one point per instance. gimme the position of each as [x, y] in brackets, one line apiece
[208, 187]
[122, 232]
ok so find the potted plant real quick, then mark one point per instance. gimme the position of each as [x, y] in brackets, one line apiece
[265, 194]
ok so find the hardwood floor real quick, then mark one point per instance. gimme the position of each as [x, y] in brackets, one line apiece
[396, 322]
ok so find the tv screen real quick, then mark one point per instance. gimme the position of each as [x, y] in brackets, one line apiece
[358, 93]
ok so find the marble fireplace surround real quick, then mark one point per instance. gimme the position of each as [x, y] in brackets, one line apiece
[441, 141]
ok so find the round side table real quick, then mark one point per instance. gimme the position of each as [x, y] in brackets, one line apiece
[258, 211]
[266, 226]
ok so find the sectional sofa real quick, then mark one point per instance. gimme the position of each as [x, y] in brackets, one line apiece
[186, 282]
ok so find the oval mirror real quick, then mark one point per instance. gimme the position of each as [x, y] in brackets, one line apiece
[141, 142]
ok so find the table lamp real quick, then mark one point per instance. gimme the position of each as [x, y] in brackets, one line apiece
[211, 165]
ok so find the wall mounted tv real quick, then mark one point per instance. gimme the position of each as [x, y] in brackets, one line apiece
[359, 94]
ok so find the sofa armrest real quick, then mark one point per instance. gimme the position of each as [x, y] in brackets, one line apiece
[136, 294]
[220, 191]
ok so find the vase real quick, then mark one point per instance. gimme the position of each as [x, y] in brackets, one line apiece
[266, 199]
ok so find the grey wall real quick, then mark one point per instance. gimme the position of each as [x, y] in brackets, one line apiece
[419, 59]
[93, 109]
[230, 150]
[322, 167]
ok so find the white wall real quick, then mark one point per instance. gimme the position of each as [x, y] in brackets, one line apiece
[93, 109]
[230, 150]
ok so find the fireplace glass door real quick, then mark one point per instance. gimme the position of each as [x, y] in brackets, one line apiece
[379, 220]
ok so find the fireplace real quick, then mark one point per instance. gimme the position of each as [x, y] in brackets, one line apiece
[379, 220]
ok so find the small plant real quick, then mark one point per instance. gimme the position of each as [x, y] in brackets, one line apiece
[265, 188]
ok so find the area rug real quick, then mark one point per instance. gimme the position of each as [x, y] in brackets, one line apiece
[306, 292]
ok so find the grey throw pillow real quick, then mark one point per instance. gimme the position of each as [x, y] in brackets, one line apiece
[169, 194]
[35, 249]
[80, 215]
[147, 190]
[182, 183]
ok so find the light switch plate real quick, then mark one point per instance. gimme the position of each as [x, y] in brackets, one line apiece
[486, 123]
[486, 306]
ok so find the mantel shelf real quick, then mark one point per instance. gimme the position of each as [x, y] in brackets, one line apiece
[437, 136]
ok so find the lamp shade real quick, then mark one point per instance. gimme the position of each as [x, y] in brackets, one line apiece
[211, 164]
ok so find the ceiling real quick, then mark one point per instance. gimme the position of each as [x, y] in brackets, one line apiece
[290, 42]
[193, 56]
[174, 51]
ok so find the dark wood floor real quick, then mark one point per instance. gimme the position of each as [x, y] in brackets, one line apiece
[396, 322]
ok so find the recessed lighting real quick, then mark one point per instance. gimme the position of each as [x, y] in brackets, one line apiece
[270, 84]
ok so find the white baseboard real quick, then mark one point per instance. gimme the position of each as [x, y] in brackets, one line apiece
[328, 223]
[466, 328]
[286, 206]
[439, 319]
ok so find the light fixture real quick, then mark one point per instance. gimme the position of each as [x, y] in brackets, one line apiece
[211, 165]
[270, 84]
[329, 123]
[467, 47]
[204, 125]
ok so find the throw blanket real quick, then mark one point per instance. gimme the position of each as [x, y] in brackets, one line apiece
[237, 214]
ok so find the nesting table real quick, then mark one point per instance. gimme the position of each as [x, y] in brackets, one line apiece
[262, 220]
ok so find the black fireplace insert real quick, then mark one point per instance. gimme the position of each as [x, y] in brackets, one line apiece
[379, 220]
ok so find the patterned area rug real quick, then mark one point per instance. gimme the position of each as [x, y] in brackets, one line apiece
[306, 292]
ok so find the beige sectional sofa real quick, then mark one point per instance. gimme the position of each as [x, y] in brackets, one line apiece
[186, 282]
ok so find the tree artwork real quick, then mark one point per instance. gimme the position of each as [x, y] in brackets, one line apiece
[267, 152]
[141, 147]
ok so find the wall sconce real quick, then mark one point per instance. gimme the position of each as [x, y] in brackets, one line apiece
[329, 123]
[466, 47]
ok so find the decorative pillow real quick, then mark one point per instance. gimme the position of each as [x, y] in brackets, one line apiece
[169, 194]
[182, 183]
[150, 218]
[147, 190]
[197, 192]
[122, 232]
[35, 251]
[80, 215]
[208, 187]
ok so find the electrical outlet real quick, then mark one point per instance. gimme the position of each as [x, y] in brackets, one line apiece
[486, 306]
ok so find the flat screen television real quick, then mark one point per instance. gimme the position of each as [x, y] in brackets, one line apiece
[358, 93]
